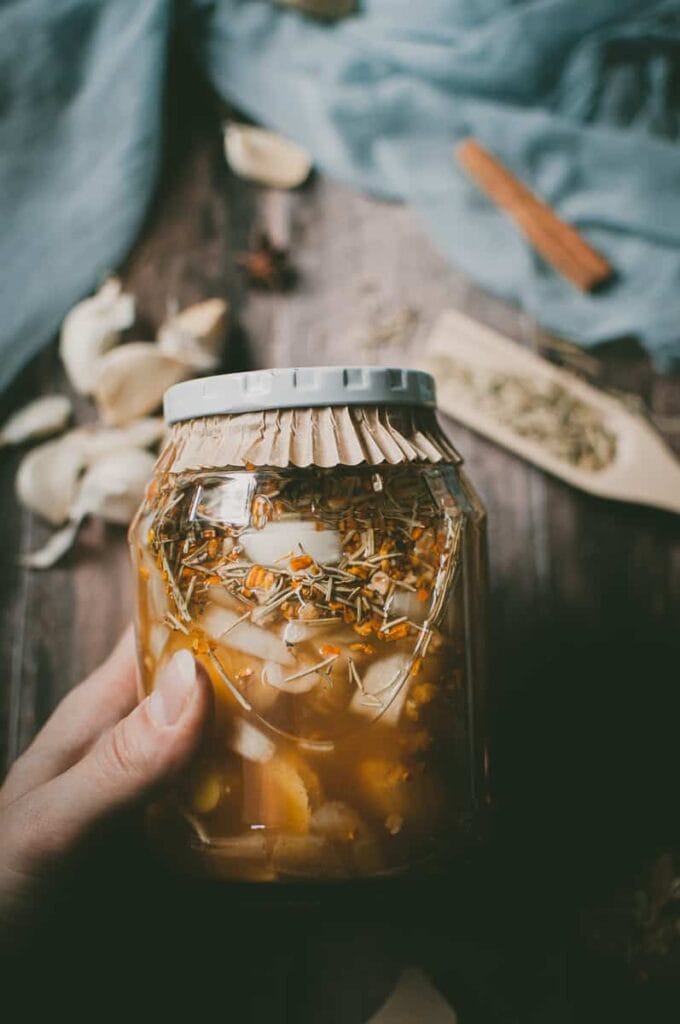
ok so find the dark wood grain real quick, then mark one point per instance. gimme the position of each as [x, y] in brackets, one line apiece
[584, 595]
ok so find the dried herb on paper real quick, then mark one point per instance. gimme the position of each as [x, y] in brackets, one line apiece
[551, 415]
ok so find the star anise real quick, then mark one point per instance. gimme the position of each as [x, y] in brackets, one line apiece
[267, 266]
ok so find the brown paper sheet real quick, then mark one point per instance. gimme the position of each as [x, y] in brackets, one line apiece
[323, 437]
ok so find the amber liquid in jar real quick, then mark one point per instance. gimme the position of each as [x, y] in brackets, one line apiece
[337, 613]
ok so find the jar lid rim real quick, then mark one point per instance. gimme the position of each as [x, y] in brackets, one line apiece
[298, 387]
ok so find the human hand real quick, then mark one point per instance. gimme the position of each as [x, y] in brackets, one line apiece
[97, 754]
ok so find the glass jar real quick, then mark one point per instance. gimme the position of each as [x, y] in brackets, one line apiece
[310, 536]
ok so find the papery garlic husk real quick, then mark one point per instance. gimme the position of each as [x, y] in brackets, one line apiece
[47, 478]
[91, 328]
[44, 416]
[131, 381]
[195, 336]
[263, 156]
[327, 9]
[113, 487]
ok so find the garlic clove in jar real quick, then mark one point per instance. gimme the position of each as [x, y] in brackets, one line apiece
[223, 625]
[384, 685]
[265, 157]
[91, 328]
[44, 416]
[250, 742]
[278, 542]
[298, 682]
[195, 336]
[336, 820]
[132, 379]
[406, 602]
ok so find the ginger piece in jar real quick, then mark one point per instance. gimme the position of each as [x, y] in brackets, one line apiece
[276, 796]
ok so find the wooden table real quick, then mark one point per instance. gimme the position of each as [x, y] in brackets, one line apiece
[584, 593]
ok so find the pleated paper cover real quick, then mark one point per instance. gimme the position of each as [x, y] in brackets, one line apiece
[322, 437]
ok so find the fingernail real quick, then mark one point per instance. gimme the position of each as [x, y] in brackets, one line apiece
[175, 683]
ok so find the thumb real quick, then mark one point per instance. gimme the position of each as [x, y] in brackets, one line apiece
[147, 747]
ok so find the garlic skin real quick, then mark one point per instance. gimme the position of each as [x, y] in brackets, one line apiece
[131, 381]
[47, 478]
[91, 328]
[40, 418]
[195, 336]
[260, 155]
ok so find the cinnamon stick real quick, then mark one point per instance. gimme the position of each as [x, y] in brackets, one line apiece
[558, 243]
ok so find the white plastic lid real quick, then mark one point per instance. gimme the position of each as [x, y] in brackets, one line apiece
[298, 387]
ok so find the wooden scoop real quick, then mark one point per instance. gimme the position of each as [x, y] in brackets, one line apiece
[643, 469]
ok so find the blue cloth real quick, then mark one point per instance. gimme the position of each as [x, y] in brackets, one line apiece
[581, 98]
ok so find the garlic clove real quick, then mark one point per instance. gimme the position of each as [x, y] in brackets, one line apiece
[224, 627]
[44, 416]
[132, 379]
[336, 820]
[405, 602]
[91, 328]
[250, 742]
[260, 155]
[47, 478]
[383, 686]
[195, 336]
[54, 549]
[96, 441]
[273, 675]
[113, 487]
[278, 542]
